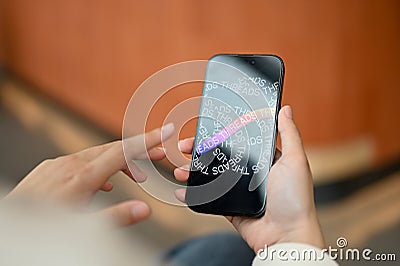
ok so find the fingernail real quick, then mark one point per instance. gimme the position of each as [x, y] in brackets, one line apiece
[179, 144]
[185, 167]
[288, 112]
[140, 211]
[139, 176]
[167, 131]
[162, 149]
[180, 194]
[182, 141]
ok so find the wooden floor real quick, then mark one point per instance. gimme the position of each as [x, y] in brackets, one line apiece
[360, 217]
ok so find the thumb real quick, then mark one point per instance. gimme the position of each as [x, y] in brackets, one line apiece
[290, 136]
[127, 213]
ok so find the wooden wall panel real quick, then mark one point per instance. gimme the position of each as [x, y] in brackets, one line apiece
[342, 57]
[2, 41]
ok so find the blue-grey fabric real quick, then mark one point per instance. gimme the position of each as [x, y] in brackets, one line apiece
[211, 250]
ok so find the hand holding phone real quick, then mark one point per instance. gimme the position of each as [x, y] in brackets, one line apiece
[290, 211]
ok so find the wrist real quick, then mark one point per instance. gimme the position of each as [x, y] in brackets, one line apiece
[307, 231]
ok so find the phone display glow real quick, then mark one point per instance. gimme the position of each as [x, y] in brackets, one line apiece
[235, 140]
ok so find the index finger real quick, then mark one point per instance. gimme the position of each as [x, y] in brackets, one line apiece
[113, 159]
[92, 152]
[136, 146]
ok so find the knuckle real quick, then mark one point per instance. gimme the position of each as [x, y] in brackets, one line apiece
[103, 148]
[76, 176]
[65, 159]
[87, 169]
[60, 160]
[118, 145]
[47, 163]
[67, 177]
[118, 142]
[72, 157]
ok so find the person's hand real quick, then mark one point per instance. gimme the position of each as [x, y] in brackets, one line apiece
[290, 211]
[74, 179]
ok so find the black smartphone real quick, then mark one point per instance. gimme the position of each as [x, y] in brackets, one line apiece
[235, 138]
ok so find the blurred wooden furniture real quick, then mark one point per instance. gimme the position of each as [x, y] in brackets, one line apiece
[342, 58]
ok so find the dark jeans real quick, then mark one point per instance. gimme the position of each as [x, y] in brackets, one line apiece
[211, 250]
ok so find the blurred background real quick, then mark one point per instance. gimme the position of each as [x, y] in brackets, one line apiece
[69, 68]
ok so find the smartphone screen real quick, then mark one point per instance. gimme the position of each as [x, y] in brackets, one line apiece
[235, 138]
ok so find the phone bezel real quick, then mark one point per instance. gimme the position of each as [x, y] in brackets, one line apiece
[199, 208]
